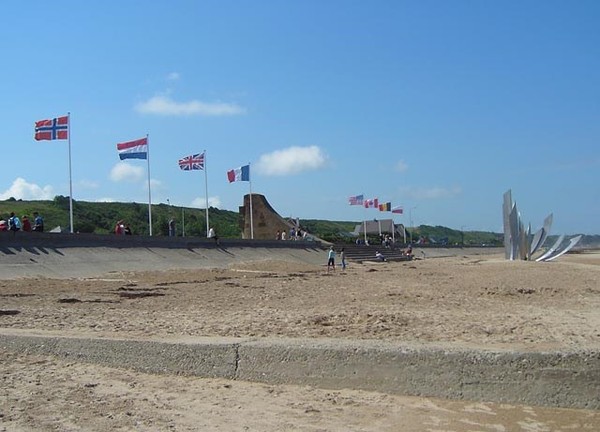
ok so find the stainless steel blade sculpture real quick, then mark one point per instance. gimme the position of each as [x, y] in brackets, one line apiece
[520, 243]
[552, 249]
[567, 248]
[540, 237]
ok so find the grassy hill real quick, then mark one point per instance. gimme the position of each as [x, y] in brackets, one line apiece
[101, 217]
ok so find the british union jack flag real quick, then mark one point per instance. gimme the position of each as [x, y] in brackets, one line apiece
[193, 162]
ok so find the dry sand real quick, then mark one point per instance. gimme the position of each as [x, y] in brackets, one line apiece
[482, 301]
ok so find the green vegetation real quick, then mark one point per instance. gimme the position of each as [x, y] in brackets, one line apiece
[440, 234]
[331, 231]
[100, 218]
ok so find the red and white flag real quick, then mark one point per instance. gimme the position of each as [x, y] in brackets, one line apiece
[372, 203]
[52, 129]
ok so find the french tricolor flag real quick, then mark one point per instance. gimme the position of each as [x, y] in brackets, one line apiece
[239, 174]
[137, 149]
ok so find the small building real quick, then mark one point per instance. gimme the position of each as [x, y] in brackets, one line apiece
[381, 226]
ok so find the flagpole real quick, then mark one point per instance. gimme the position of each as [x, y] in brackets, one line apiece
[393, 229]
[70, 176]
[182, 221]
[251, 222]
[149, 192]
[365, 223]
[206, 192]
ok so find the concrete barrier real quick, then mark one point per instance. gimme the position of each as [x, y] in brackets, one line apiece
[556, 379]
[90, 255]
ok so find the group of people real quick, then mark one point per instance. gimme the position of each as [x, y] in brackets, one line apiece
[295, 234]
[386, 240]
[378, 256]
[331, 259]
[14, 223]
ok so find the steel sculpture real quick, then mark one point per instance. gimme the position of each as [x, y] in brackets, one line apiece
[520, 243]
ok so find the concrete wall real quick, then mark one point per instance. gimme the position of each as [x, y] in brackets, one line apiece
[556, 379]
[90, 255]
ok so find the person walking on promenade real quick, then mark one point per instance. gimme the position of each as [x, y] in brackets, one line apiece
[172, 227]
[14, 224]
[213, 235]
[38, 222]
[26, 223]
[120, 227]
[331, 259]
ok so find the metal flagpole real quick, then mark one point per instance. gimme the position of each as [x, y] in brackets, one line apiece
[206, 192]
[70, 176]
[149, 192]
[251, 222]
[365, 223]
[182, 221]
[393, 228]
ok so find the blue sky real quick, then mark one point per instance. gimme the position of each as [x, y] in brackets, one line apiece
[438, 106]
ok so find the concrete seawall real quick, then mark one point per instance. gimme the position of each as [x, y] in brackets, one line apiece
[89, 255]
[557, 379]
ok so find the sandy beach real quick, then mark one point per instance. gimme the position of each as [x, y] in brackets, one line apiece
[461, 301]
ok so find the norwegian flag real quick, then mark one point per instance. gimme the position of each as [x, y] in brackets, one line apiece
[52, 129]
[193, 162]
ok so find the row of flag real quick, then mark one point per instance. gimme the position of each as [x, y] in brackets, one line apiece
[138, 149]
[58, 129]
[374, 203]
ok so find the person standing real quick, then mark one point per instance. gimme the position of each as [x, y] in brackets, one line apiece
[120, 227]
[26, 223]
[343, 258]
[38, 222]
[213, 235]
[14, 224]
[172, 227]
[331, 259]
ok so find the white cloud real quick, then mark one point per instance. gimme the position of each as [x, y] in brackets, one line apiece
[164, 105]
[401, 166]
[200, 202]
[20, 189]
[292, 160]
[430, 193]
[123, 171]
[106, 199]
[173, 76]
